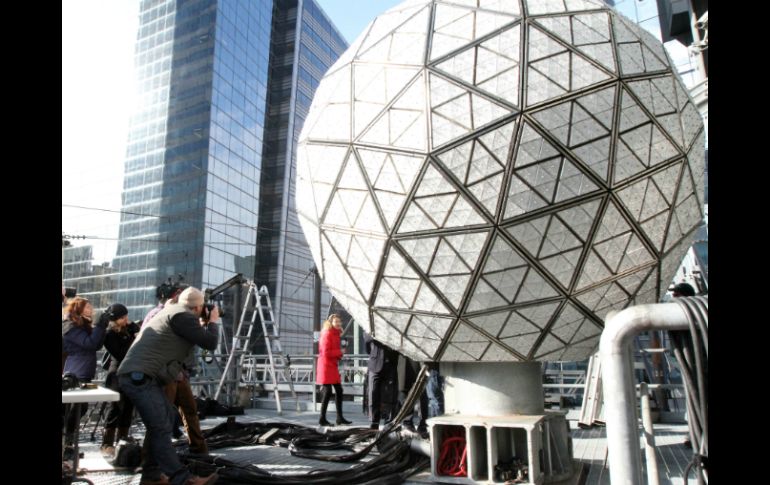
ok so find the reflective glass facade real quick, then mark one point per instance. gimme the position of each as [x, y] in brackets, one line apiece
[238, 98]
[305, 44]
[137, 259]
[223, 89]
[193, 163]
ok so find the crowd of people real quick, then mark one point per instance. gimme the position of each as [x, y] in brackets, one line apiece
[149, 366]
[146, 359]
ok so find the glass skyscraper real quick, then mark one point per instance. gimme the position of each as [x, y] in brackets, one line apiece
[305, 45]
[223, 88]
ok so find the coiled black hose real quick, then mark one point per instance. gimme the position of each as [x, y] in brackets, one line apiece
[691, 350]
[392, 465]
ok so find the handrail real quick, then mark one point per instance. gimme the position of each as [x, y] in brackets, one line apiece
[618, 381]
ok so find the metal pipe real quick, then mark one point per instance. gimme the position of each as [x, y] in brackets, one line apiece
[317, 318]
[619, 383]
[416, 443]
[649, 437]
[315, 406]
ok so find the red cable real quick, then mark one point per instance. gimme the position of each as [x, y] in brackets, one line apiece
[454, 452]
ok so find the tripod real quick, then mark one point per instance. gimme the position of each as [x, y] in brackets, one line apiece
[98, 419]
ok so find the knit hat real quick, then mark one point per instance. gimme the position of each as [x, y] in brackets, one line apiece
[115, 311]
[191, 297]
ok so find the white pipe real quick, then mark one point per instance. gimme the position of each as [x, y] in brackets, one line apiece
[620, 387]
[649, 437]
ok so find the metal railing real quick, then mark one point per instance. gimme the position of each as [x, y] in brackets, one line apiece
[255, 375]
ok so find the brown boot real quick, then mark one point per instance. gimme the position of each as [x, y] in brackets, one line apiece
[196, 480]
[108, 442]
[162, 480]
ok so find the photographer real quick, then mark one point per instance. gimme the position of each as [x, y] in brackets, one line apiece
[164, 293]
[120, 336]
[179, 392]
[154, 360]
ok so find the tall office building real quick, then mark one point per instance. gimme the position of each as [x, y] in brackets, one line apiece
[305, 43]
[223, 89]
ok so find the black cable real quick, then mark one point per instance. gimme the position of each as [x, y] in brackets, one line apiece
[699, 371]
[691, 350]
[694, 350]
[701, 368]
[390, 465]
[172, 217]
[414, 393]
[394, 462]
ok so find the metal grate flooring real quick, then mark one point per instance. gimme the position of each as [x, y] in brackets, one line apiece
[589, 445]
[270, 458]
[590, 449]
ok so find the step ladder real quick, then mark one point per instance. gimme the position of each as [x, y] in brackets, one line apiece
[270, 330]
[263, 308]
[592, 410]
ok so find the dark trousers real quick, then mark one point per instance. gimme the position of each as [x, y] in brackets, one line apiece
[72, 419]
[411, 369]
[122, 411]
[378, 380]
[158, 416]
[422, 410]
[327, 395]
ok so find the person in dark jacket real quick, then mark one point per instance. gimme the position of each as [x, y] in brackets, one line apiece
[327, 373]
[80, 341]
[120, 336]
[179, 393]
[164, 293]
[382, 368]
[154, 360]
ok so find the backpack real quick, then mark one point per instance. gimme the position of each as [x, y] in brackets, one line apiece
[127, 454]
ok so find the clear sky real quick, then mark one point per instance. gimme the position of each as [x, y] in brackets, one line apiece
[351, 16]
[98, 38]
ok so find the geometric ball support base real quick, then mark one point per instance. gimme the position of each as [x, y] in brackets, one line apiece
[484, 180]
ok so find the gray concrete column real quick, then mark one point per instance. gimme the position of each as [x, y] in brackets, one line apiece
[493, 388]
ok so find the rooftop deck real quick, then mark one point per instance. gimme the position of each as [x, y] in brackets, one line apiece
[590, 450]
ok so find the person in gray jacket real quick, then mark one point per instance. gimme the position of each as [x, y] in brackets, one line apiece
[155, 359]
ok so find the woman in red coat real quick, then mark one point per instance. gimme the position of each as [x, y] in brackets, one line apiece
[328, 375]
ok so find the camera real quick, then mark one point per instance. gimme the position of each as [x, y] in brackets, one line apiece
[69, 381]
[133, 327]
[207, 309]
[70, 292]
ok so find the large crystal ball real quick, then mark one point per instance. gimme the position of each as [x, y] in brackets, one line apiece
[479, 182]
